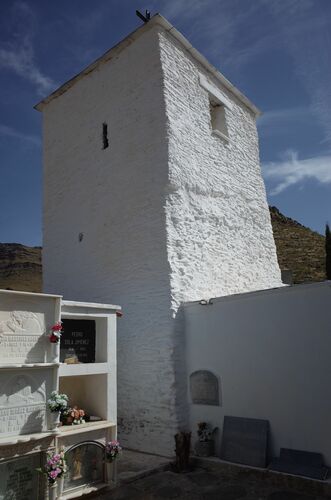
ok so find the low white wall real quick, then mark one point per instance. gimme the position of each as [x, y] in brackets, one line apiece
[272, 353]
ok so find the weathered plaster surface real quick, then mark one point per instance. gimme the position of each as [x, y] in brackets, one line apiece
[168, 213]
[219, 235]
[115, 197]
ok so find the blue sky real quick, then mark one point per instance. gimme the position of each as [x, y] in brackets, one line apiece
[278, 52]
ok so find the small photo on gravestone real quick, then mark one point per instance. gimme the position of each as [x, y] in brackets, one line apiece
[77, 341]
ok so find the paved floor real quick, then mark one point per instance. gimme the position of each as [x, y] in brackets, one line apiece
[133, 465]
[203, 484]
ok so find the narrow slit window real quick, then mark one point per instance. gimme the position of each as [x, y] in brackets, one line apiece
[105, 140]
[218, 118]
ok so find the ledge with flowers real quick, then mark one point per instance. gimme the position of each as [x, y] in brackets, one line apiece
[55, 467]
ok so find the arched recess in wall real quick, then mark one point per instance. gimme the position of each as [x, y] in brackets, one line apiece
[86, 465]
[204, 388]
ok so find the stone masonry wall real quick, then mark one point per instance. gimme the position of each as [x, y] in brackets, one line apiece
[115, 198]
[219, 233]
[168, 213]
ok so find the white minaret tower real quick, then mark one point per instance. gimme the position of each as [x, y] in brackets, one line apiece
[153, 196]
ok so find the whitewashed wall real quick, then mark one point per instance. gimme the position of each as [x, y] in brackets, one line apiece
[167, 214]
[219, 232]
[271, 351]
[115, 197]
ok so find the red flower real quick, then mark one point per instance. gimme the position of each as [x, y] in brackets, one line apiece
[53, 338]
[57, 327]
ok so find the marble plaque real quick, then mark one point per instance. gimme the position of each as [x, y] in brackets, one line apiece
[204, 388]
[22, 338]
[78, 341]
[245, 441]
[19, 479]
[85, 465]
[23, 402]
[300, 463]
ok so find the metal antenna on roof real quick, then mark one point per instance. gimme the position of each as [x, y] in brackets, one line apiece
[143, 17]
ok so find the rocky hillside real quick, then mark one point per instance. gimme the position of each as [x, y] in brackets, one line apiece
[299, 249]
[20, 267]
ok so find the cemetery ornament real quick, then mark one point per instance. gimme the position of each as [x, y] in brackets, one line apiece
[57, 404]
[56, 331]
[55, 469]
[113, 450]
[73, 416]
[204, 447]
[54, 338]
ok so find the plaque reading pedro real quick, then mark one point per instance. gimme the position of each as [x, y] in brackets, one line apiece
[77, 341]
[19, 479]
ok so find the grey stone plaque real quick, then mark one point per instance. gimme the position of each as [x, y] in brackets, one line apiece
[22, 338]
[85, 465]
[300, 463]
[245, 441]
[19, 479]
[23, 402]
[204, 388]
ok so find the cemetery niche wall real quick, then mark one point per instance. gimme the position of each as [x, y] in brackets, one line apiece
[29, 373]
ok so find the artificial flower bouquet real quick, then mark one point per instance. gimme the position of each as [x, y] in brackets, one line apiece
[58, 402]
[113, 449]
[74, 416]
[55, 467]
[205, 432]
[77, 415]
[55, 334]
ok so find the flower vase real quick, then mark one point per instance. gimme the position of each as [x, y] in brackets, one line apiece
[60, 485]
[52, 492]
[55, 420]
[109, 471]
[204, 448]
[55, 352]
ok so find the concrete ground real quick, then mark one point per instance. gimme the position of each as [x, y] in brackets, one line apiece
[209, 480]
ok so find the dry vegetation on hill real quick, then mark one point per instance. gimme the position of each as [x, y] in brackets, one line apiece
[298, 248]
[20, 267]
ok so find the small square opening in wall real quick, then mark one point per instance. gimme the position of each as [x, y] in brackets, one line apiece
[218, 118]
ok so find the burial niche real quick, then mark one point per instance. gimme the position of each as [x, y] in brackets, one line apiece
[85, 465]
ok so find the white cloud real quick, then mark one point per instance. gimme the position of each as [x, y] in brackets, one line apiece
[291, 171]
[10, 132]
[276, 116]
[18, 54]
[306, 33]
[285, 121]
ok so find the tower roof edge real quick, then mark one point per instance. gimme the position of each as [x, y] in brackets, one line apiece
[157, 19]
